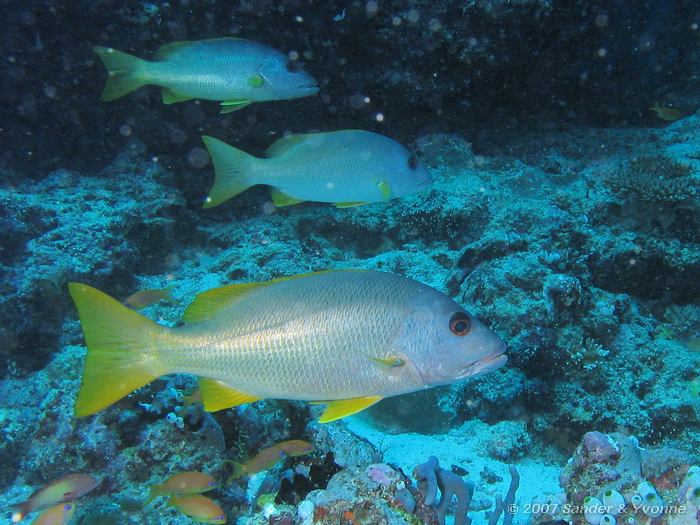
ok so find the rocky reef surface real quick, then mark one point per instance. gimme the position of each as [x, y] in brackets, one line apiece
[580, 248]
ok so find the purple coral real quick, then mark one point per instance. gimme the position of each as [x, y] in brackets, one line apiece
[431, 477]
[599, 448]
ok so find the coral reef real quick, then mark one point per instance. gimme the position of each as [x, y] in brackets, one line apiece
[580, 247]
[610, 478]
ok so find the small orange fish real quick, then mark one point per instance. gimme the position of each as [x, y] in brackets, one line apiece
[66, 488]
[263, 460]
[295, 447]
[199, 508]
[183, 484]
[57, 515]
[144, 298]
[666, 112]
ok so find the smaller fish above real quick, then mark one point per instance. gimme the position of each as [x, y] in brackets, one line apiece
[200, 508]
[183, 484]
[666, 113]
[57, 515]
[66, 488]
[347, 168]
[234, 71]
[144, 298]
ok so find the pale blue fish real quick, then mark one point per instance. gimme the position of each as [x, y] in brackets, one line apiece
[234, 71]
[347, 168]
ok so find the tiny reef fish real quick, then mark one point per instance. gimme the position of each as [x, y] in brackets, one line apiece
[320, 337]
[269, 457]
[200, 508]
[347, 168]
[295, 447]
[263, 460]
[144, 298]
[235, 71]
[666, 112]
[65, 488]
[183, 483]
[57, 515]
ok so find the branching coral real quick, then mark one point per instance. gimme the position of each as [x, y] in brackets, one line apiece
[655, 179]
[431, 478]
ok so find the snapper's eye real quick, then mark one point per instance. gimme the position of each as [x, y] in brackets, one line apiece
[412, 162]
[460, 324]
[292, 66]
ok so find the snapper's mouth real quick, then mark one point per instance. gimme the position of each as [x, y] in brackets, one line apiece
[307, 88]
[487, 364]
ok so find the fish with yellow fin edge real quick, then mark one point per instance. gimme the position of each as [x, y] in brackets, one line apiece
[234, 71]
[347, 168]
[346, 338]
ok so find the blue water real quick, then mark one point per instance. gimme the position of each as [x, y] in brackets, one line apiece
[563, 214]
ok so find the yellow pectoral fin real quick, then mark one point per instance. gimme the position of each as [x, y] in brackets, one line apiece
[349, 204]
[229, 106]
[281, 199]
[217, 395]
[171, 97]
[346, 407]
[392, 361]
[384, 189]
[256, 80]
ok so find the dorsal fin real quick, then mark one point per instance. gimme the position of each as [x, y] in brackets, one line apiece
[207, 305]
[283, 145]
[164, 52]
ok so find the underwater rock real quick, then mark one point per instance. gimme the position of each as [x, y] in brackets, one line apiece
[610, 468]
[80, 228]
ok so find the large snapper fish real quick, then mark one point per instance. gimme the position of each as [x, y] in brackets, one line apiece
[345, 338]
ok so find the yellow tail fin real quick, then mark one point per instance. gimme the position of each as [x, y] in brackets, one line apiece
[230, 167]
[121, 356]
[125, 72]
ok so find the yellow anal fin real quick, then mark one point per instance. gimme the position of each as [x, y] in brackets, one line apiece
[217, 395]
[171, 97]
[349, 204]
[346, 407]
[281, 199]
[229, 106]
